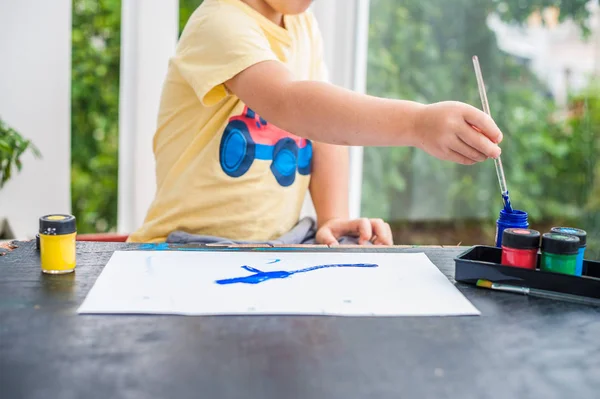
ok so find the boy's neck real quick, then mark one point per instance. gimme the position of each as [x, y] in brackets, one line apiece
[266, 10]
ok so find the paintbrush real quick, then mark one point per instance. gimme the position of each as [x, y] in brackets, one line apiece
[539, 293]
[497, 162]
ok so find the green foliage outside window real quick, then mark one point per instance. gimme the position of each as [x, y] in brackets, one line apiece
[96, 41]
[421, 50]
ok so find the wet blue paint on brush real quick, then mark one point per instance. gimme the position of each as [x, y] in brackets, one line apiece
[507, 206]
[259, 276]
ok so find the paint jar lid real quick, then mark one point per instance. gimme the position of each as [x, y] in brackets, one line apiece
[57, 224]
[521, 238]
[560, 244]
[571, 231]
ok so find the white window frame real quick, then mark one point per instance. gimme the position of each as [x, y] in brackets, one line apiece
[149, 31]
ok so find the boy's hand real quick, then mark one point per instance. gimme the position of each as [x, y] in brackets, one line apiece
[367, 230]
[457, 132]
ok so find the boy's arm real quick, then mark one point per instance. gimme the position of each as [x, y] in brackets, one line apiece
[329, 192]
[323, 112]
[329, 182]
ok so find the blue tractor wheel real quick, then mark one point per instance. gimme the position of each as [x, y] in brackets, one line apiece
[305, 159]
[285, 161]
[237, 149]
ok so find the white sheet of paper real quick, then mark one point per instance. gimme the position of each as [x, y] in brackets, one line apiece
[184, 282]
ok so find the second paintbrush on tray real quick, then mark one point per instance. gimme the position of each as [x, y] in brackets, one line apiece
[483, 263]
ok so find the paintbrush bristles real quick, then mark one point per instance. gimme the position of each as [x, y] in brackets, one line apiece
[484, 283]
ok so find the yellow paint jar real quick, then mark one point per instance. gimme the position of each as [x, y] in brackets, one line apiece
[57, 243]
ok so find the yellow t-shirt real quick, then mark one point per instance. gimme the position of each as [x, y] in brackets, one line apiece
[221, 169]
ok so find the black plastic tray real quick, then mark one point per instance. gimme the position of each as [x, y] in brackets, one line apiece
[483, 263]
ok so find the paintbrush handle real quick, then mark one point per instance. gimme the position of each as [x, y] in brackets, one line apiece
[481, 86]
[500, 174]
[486, 108]
[534, 292]
[564, 297]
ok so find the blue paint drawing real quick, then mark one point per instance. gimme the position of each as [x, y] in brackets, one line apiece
[259, 276]
[273, 261]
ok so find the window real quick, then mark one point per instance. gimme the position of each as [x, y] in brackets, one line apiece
[541, 69]
[96, 45]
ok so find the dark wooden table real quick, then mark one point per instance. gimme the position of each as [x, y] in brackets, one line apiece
[520, 347]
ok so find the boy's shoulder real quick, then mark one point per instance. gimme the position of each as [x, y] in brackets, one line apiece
[228, 13]
[219, 21]
[220, 24]
[306, 19]
[219, 11]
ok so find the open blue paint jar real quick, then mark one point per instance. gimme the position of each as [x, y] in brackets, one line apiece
[582, 235]
[510, 220]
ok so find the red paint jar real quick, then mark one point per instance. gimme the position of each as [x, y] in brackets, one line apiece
[520, 248]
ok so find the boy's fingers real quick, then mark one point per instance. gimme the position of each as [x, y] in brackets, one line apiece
[468, 151]
[382, 242]
[389, 230]
[326, 237]
[363, 228]
[484, 124]
[473, 137]
[382, 232]
[459, 158]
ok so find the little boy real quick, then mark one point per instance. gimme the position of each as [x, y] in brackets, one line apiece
[248, 124]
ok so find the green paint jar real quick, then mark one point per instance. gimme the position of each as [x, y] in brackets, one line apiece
[559, 253]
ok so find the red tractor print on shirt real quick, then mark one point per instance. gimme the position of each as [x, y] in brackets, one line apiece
[248, 137]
